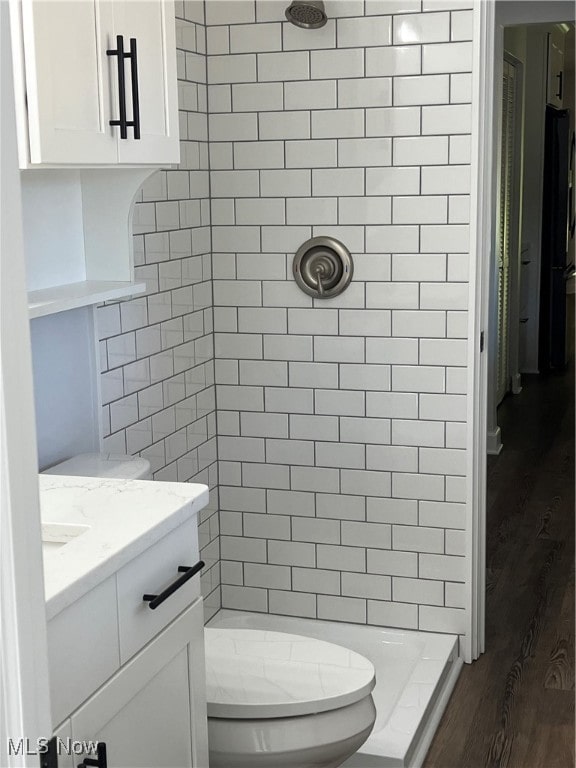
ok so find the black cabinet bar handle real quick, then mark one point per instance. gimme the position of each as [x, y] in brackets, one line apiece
[122, 122]
[100, 762]
[119, 51]
[187, 572]
[49, 758]
[560, 77]
[135, 122]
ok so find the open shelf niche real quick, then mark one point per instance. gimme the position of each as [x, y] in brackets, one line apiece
[78, 236]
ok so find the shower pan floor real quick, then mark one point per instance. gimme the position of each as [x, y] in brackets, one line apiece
[415, 675]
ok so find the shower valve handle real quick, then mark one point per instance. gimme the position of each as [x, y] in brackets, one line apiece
[318, 272]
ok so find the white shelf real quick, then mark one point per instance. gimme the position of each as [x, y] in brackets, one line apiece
[60, 298]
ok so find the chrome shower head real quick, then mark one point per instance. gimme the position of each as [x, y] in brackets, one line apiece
[308, 14]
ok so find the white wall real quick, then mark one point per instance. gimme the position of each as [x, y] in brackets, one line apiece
[24, 692]
[67, 421]
[510, 12]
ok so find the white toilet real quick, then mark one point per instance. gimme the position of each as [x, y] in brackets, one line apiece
[277, 700]
[103, 465]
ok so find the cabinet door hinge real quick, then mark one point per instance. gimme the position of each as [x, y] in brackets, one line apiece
[481, 341]
[49, 758]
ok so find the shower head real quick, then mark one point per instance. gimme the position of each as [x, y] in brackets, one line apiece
[308, 14]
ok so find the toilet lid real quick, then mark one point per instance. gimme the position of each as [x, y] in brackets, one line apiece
[259, 674]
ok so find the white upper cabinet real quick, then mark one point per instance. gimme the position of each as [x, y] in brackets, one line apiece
[100, 86]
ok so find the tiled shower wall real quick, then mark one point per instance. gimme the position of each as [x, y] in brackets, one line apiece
[157, 350]
[341, 423]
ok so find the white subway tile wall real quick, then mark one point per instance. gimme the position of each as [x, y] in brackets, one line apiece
[341, 423]
[331, 433]
[157, 350]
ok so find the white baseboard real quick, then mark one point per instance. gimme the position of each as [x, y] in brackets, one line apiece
[494, 442]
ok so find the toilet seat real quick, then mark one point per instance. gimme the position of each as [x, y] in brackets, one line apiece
[259, 674]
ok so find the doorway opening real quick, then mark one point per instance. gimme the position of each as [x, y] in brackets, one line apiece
[530, 474]
[515, 705]
[529, 645]
[532, 275]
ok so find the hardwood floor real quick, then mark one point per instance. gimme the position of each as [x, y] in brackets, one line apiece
[514, 707]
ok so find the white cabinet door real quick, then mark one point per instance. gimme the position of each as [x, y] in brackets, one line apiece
[68, 81]
[151, 24]
[152, 713]
[556, 43]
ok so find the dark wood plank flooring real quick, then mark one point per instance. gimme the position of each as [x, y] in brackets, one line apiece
[514, 707]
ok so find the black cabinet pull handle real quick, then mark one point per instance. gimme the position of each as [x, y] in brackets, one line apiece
[187, 572]
[119, 51]
[135, 122]
[101, 760]
[122, 122]
[560, 77]
[49, 757]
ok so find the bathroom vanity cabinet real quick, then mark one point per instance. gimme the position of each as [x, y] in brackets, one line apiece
[120, 672]
[152, 711]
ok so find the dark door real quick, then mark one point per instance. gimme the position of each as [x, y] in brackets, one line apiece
[552, 338]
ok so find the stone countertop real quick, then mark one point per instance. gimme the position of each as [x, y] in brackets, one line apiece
[122, 518]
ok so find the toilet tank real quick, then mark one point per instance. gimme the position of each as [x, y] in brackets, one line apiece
[103, 465]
